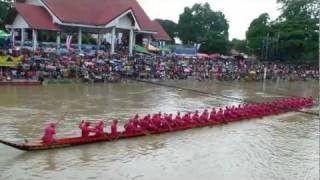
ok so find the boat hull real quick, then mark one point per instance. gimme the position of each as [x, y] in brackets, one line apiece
[20, 83]
[75, 141]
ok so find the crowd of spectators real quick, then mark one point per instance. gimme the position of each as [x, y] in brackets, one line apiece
[101, 67]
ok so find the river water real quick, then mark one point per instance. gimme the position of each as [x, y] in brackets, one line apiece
[276, 147]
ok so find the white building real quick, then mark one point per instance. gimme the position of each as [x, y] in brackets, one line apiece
[100, 17]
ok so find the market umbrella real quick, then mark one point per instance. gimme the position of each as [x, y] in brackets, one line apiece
[4, 34]
[202, 55]
[214, 56]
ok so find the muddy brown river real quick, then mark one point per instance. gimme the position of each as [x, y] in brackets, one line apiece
[283, 147]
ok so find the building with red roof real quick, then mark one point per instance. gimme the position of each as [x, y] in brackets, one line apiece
[161, 35]
[91, 16]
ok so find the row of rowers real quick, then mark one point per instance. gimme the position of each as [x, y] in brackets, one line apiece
[159, 121]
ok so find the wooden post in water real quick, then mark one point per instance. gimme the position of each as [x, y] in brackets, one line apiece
[319, 76]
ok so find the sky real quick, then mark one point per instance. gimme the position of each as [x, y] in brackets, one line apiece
[239, 13]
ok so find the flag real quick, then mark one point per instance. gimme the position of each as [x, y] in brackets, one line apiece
[197, 46]
[69, 41]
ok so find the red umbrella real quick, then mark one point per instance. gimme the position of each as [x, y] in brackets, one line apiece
[203, 55]
[214, 56]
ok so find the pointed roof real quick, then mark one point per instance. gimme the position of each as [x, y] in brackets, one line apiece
[36, 17]
[97, 12]
[162, 34]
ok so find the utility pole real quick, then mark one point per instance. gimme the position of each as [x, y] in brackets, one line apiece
[267, 47]
[262, 50]
[277, 46]
[319, 74]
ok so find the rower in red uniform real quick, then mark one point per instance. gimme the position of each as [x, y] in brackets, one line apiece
[157, 121]
[220, 116]
[204, 116]
[164, 124]
[254, 110]
[168, 119]
[179, 120]
[234, 113]
[213, 115]
[86, 129]
[143, 123]
[172, 122]
[311, 101]
[99, 129]
[134, 123]
[49, 132]
[129, 129]
[151, 126]
[187, 119]
[195, 117]
[114, 129]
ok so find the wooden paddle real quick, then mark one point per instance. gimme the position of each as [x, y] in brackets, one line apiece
[61, 119]
[147, 133]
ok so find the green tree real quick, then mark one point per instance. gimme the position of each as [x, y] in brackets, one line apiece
[240, 45]
[292, 9]
[257, 32]
[170, 27]
[200, 24]
[293, 36]
[298, 29]
[5, 6]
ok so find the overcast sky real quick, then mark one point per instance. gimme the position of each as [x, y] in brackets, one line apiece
[239, 13]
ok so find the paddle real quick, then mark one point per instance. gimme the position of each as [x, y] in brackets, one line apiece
[61, 119]
[147, 133]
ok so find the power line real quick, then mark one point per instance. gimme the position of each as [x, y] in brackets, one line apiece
[217, 95]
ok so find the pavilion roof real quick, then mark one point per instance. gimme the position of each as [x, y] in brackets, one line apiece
[37, 17]
[162, 34]
[97, 12]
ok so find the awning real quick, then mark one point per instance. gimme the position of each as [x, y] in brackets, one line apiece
[140, 49]
[165, 49]
[187, 52]
[9, 61]
[152, 48]
[4, 34]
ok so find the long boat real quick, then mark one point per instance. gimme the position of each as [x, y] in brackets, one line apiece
[21, 83]
[74, 141]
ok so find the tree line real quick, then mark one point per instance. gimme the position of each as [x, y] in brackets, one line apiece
[293, 36]
[5, 6]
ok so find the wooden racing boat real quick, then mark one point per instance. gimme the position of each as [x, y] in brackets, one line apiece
[21, 83]
[74, 141]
